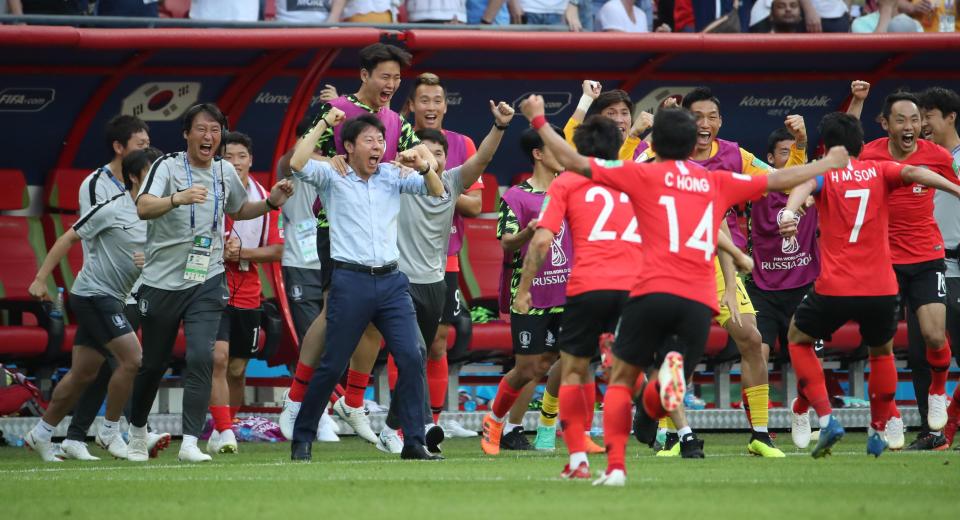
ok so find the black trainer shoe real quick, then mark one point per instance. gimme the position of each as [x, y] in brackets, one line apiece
[928, 442]
[671, 446]
[434, 436]
[515, 440]
[644, 427]
[691, 447]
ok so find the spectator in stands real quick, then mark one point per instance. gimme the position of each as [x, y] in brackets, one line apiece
[826, 15]
[783, 16]
[66, 7]
[488, 12]
[369, 11]
[11, 7]
[183, 278]
[232, 11]
[885, 19]
[621, 16]
[437, 11]
[137, 8]
[309, 11]
[927, 12]
[550, 12]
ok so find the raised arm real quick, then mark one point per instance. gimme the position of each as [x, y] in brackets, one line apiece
[859, 90]
[920, 175]
[532, 108]
[475, 165]
[783, 180]
[38, 288]
[279, 194]
[798, 196]
[305, 145]
[532, 263]
[413, 159]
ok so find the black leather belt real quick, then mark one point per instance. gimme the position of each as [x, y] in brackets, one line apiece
[371, 270]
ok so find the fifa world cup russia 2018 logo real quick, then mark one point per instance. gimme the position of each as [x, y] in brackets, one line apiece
[557, 256]
[790, 245]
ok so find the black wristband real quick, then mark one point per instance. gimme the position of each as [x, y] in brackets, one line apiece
[424, 172]
[270, 204]
[499, 127]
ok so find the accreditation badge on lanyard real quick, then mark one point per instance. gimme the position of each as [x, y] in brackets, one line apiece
[307, 239]
[198, 259]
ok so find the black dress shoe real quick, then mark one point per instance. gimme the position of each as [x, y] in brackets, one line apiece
[434, 437]
[644, 426]
[300, 451]
[418, 453]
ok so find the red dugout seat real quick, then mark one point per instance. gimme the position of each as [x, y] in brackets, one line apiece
[481, 260]
[491, 193]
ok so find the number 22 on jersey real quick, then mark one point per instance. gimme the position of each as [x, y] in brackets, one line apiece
[598, 233]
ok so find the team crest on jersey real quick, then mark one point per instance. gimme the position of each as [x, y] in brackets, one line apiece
[525, 338]
[297, 292]
[118, 321]
[551, 339]
[143, 305]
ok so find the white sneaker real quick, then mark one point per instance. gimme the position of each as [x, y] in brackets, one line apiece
[157, 442]
[673, 384]
[389, 441]
[288, 415]
[455, 430]
[937, 411]
[326, 430]
[137, 450]
[46, 449]
[75, 450]
[334, 425]
[357, 419]
[192, 453]
[228, 442]
[615, 478]
[894, 433]
[115, 445]
[800, 427]
[213, 443]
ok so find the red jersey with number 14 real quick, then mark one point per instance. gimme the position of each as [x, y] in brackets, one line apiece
[679, 207]
[606, 246]
[914, 235]
[854, 245]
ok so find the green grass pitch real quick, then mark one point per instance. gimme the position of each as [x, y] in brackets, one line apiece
[353, 480]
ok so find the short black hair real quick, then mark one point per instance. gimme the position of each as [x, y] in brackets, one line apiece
[427, 79]
[530, 140]
[598, 136]
[699, 94]
[841, 129]
[135, 162]
[942, 99]
[212, 110]
[780, 134]
[354, 127]
[899, 95]
[121, 128]
[238, 138]
[374, 54]
[433, 135]
[674, 133]
[609, 98]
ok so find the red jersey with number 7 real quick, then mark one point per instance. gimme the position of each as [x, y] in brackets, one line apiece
[606, 245]
[854, 243]
[679, 207]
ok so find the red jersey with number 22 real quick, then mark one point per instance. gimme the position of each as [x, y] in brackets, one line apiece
[606, 246]
[679, 207]
[854, 246]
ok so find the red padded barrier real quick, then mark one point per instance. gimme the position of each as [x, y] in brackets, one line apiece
[13, 196]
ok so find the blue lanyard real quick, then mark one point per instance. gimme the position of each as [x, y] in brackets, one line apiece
[216, 195]
[110, 176]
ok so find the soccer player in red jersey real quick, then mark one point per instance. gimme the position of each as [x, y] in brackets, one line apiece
[857, 280]
[679, 206]
[917, 251]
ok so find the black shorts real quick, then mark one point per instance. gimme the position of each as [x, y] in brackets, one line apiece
[534, 334]
[428, 305]
[241, 329]
[100, 319]
[323, 251]
[921, 283]
[304, 297]
[588, 315]
[774, 311]
[454, 304]
[820, 316]
[653, 324]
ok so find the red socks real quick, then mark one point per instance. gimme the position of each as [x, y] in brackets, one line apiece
[939, 361]
[356, 387]
[301, 378]
[883, 386]
[221, 418]
[589, 391]
[437, 380]
[810, 377]
[651, 401]
[801, 405]
[506, 396]
[392, 373]
[954, 408]
[573, 416]
[233, 413]
[616, 425]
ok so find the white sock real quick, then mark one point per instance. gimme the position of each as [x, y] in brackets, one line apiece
[509, 427]
[188, 441]
[936, 434]
[684, 431]
[761, 429]
[109, 428]
[824, 421]
[578, 458]
[138, 431]
[43, 431]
